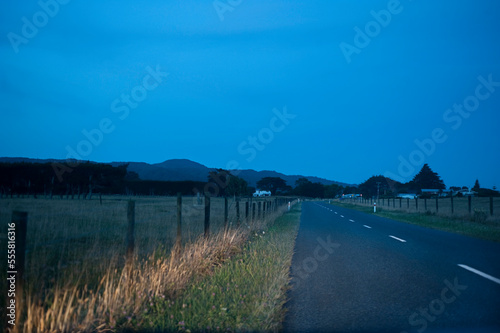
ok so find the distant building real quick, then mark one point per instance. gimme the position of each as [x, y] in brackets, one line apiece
[430, 191]
[407, 195]
[350, 196]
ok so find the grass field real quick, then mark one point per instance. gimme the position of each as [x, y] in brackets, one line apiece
[460, 206]
[478, 224]
[75, 257]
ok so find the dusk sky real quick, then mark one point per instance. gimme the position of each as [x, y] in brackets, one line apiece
[337, 89]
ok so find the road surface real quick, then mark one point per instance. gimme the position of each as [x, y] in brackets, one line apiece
[357, 272]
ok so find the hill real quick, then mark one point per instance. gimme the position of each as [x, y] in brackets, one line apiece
[184, 170]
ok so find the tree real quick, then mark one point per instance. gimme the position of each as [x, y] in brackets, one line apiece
[427, 179]
[306, 188]
[273, 184]
[236, 186]
[331, 191]
[302, 181]
[476, 185]
[375, 184]
[219, 179]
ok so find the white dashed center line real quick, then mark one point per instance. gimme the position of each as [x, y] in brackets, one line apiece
[486, 276]
[399, 239]
[351, 220]
[367, 226]
[342, 216]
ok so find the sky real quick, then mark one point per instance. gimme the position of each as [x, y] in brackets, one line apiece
[338, 89]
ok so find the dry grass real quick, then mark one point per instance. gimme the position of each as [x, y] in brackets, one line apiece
[75, 275]
[121, 297]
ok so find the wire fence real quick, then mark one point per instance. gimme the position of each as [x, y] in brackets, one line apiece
[487, 207]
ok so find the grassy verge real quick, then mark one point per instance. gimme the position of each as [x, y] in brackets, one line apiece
[247, 293]
[470, 226]
[76, 279]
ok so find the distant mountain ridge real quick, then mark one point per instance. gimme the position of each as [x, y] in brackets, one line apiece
[184, 169]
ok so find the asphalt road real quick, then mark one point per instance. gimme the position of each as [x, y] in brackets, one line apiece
[357, 272]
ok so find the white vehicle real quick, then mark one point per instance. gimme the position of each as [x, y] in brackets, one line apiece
[262, 194]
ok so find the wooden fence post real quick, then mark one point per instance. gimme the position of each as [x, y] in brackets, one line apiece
[237, 212]
[452, 210]
[259, 208]
[226, 213]
[437, 205]
[408, 203]
[470, 203]
[130, 233]
[416, 204]
[400, 202]
[20, 223]
[491, 206]
[253, 211]
[264, 204]
[178, 240]
[247, 204]
[207, 215]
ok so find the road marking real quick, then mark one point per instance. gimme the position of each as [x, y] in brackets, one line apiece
[367, 226]
[336, 213]
[486, 276]
[351, 220]
[399, 239]
[342, 216]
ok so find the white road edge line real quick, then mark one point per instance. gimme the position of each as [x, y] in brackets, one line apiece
[342, 216]
[351, 220]
[399, 239]
[367, 226]
[486, 276]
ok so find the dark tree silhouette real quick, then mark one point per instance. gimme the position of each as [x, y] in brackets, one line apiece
[427, 179]
[237, 186]
[273, 184]
[306, 188]
[385, 185]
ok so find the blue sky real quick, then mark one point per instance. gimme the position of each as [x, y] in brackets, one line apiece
[291, 86]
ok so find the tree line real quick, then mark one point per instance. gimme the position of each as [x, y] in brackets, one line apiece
[425, 179]
[89, 178]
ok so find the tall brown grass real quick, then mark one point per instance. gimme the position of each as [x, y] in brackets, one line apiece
[123, 295]
[76, 279]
